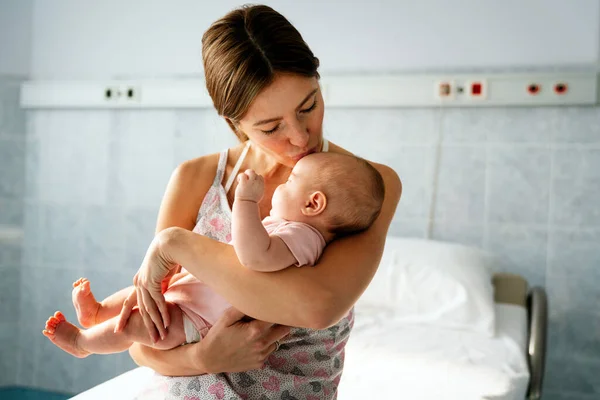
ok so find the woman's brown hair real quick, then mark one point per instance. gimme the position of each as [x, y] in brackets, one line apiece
[242, 53]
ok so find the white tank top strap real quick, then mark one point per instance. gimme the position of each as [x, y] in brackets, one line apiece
[325, 146]
[236, 168]
[221, 167]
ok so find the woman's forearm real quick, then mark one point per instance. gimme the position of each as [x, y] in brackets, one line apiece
[304, 297]
[180, 361]
[273, 297]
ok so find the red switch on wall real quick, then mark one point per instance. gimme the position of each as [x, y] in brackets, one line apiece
[476, 89]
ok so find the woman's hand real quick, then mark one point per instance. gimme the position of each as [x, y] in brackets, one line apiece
[235, 344]
[148, 293]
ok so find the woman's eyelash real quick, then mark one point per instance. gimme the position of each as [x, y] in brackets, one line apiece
[271, 131]
[309, 109]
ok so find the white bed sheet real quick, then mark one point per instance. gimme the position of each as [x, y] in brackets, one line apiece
[386, 360]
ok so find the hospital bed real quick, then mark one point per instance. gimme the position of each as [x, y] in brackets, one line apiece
[394, 355]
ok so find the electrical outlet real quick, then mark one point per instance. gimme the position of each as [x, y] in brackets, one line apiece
[444, 90]
[132, 93]
[112, 93]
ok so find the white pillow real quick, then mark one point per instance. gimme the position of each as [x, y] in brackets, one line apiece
[428, 282]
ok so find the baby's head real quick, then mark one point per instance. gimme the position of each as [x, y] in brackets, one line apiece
[336, 193]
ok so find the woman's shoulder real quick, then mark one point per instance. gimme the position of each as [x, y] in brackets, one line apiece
[196, 169]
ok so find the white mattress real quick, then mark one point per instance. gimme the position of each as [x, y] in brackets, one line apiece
[385, 360]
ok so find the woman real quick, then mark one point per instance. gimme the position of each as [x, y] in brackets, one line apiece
[263, 80]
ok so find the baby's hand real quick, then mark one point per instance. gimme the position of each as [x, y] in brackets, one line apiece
[251, 186]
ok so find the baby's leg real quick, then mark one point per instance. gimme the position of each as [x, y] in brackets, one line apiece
[91, 312]
[101, 339]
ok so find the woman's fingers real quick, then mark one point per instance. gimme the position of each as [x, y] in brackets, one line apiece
[153, 313]
[230, 317]
[277, 332]
[128, 304]
[146, 317]
[159, 299]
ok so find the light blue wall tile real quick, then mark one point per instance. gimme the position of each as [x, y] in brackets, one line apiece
[11, 211]
[497, 125]
[103, 238]
[139, 227]
[414, 166]
[549, 395]
[10, 255]
[573, 269]
[8, 352]
[12, 168]
[9, 296]
[29, 343]
[456, 232]
[32, 233]
[200, 132]
[582, 334]
[461, 185]
[522, 125]
[32, 168]
[73, 159]
[576, 188]
[12, 116]
[523, 247]
[356, 129]
[577, 125]
[62, 229]
[572, 374]
[519, 185]
[142, 158]
[465, 125]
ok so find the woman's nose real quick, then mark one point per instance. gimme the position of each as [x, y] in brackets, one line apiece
[299, 135]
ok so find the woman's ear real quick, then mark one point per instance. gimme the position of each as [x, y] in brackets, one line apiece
[315, 205]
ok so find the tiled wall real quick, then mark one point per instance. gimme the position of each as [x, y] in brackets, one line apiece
[12, 178]
[521, 182]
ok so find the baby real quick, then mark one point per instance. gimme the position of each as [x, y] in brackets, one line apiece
[327, 195]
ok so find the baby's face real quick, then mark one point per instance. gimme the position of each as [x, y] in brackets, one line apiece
[289, 198]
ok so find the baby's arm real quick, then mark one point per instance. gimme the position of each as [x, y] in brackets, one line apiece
[253, 245]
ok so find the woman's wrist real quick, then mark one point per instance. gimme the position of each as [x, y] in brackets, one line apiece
[197, 360]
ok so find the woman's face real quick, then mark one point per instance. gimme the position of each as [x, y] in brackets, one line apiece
[286, 119]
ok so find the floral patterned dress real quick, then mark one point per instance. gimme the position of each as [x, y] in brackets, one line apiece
[308, 364]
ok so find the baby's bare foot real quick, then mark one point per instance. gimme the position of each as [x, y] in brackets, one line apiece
[63, 334]
[85, 303]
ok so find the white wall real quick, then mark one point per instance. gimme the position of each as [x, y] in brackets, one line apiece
[15, 36]
[155, 38]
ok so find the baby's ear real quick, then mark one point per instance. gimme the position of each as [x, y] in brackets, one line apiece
[315, 205]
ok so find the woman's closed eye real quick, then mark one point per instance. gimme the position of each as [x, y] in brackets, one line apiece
[309, 109]
[305, 111]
